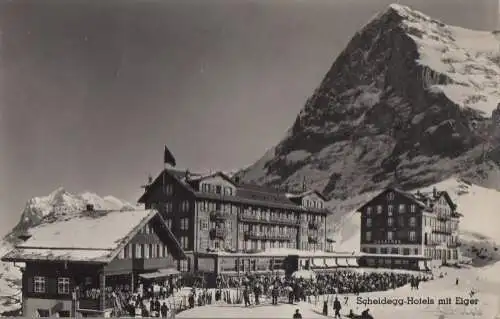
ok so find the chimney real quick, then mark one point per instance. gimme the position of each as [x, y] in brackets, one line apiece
[150, 179]
[434, 192]
[187, 174]
[90, 207]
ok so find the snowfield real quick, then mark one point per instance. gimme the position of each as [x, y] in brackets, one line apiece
[401, 303]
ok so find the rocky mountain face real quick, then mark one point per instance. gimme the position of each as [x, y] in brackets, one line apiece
[410, 100]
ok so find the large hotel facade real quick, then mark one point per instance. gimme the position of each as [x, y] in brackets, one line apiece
[224, 225]
[405, 230]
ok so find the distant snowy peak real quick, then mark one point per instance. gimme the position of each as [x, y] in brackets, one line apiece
[62, 203]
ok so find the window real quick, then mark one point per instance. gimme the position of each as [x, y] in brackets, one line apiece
[390, 221]
[39, 284]
[406, 251]
[412, 208]
[415, 251]
[389, 210]
[383, 250]
[126, 252]
[413, 236]
[63, 285]
[121, 254]
[184, 223]
[185, 242]
[168, 207]
[218, 189]
[395, 251]
[43, 312]
[228, 191]
[390, 235]
[183, 265]
[147, 251]
[390, 196]
[169, 189]
[368, 210]
[379, 209]
[138, 251]
[185, 206]
[165, 251]
[368, 236]
[413, 221]
[402, 208]
[154, 251]
[368, 222]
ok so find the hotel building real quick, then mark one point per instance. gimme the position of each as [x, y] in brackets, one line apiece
[214, 214]
[404, 230]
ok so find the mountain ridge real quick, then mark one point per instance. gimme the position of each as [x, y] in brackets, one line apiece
[409, 100]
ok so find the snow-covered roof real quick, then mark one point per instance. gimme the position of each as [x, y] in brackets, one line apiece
[90, 237]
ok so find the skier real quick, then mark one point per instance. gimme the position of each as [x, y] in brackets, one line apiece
[297, 314]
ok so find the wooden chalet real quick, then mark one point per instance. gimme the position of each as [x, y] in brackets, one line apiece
[73, 266]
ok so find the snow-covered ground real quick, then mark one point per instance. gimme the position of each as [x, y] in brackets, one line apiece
[487, 294]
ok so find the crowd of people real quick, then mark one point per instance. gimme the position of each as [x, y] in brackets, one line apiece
[157, 299]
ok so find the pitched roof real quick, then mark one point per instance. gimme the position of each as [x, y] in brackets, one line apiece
[245, 193]
[301, 195]
[93, 237]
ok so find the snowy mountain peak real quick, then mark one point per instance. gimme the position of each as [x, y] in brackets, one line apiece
[409, 98]
[61, 203]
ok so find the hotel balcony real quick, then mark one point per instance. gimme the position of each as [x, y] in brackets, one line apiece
[219, 215]
[454, 245]
[442, 217]
[275, 220]
[218, 233]
[313, 225]
[267, 236]
[442, 230]
[313, 239]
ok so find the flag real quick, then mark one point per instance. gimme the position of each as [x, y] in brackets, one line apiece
[168, 158]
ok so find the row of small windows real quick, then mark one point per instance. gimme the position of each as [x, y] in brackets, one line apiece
[313, 203]
[168, 206]
[412, 235]
[40, 285]
[137, 251]
[390, 209]
[217, 189]
[391, 251]
[390, 222]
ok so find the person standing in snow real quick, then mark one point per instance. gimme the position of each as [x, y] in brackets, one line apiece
[337, 306]
[297, 314]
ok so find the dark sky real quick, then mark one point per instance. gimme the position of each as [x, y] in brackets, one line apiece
[91, 90]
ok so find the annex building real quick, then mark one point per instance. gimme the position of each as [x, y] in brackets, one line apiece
[409, 230]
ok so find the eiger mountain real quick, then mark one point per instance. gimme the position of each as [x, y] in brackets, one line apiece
[409, 100]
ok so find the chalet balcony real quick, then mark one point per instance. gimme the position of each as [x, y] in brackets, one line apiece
[219, 215]
[218, 233]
